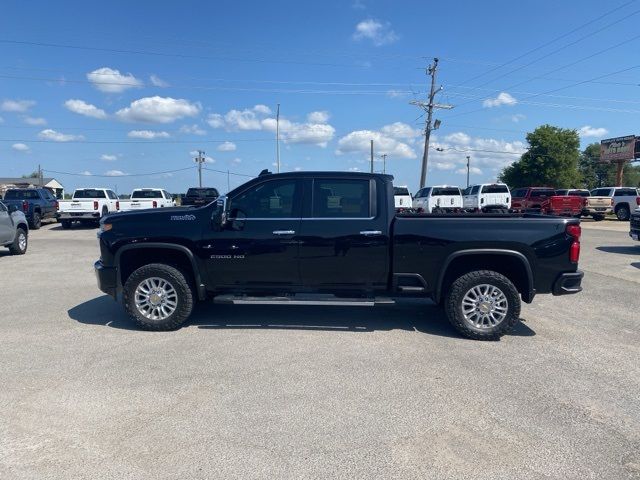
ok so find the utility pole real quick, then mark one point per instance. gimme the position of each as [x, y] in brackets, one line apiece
[200, 160]
[429, 126]
[278, 138]
[468, 167]
[384, 162]
[228, 182]
[40, 180]
[371, 156]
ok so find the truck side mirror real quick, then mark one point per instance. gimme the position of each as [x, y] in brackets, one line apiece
[12, 208]
[220, 215]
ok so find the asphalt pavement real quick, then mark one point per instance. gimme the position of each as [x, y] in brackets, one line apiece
[260, 392]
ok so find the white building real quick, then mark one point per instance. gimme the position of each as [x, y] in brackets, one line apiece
[51, 183]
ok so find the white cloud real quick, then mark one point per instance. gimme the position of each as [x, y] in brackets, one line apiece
[377, 32]
[19, 106]
[358, 5]
[86, 173]
[147, 134]
[359, 141]
[484, 152]
[20, 147]
[318, 117]
[36, 121]
[236, 161]
[517, 117]
[215, 120]
[114, 173]
[110, 80]
[397, 93]
[226, 147]
[156, 81]
[83, 108]
[108, 158]
[353, 169]
[314, 133]
[503, 98]
[444, 165]
[158, 110]
[589, 131]
[192, 129]
[399, 130]
[52, 135]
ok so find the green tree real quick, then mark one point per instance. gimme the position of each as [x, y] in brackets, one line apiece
[31, 175]
[551, 160]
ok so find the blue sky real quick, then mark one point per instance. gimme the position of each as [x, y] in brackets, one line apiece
[120, 88]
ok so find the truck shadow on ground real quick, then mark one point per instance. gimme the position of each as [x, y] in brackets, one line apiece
[74, 227]
[420, 317]
[622, 249]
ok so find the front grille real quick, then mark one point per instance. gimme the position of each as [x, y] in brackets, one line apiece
[635, 222]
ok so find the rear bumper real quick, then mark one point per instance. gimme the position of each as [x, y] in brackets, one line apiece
[598, 211]
[568, 283]
[107, 278]
[78, 216]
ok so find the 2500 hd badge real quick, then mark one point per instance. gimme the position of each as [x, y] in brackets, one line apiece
[334, 238]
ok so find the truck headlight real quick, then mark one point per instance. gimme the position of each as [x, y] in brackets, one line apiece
[105, 227]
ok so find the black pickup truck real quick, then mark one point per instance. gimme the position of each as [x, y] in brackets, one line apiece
[333, 238]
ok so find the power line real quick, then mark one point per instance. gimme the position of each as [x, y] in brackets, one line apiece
[119, 175]
[228, 172]
[550, 42]
[153, 142]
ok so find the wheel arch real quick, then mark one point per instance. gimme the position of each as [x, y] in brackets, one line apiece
[181, 257]
[512, 264]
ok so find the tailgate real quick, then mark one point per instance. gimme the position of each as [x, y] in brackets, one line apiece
[448, 201]
[77, 206]
[141, 204]
[599, 202]
[566, 204]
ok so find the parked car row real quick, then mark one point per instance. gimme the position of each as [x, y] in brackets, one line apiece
[497, 198]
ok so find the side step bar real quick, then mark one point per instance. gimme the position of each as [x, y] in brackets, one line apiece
[329, 300]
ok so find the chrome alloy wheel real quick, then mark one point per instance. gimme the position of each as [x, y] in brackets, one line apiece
[485, 306]
[22, 242]
[156, 298]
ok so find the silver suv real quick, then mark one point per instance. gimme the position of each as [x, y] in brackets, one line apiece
[14, 230]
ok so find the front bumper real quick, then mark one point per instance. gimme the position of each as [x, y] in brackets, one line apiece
[568, 283]
[107, 278]
[78, 215]
[634, 227]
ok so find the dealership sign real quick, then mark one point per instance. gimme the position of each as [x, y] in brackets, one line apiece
[617, 149]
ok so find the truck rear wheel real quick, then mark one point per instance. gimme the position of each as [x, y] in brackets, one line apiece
[483, 305]
[66, 224]
[158, 297]
[36, 222]
[623, 213]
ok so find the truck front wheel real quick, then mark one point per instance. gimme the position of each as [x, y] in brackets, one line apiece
[483, 305]
[36, 222]
[158, 297]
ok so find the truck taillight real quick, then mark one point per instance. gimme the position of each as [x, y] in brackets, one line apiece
[95, 205]
[155, 204]
[25, 206]
[574, 231]
[57, 205]
[611, 202]
[117, 205]
[638, 201]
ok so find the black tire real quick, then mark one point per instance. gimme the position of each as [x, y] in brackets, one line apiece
[177, 280]
[623, 213]
[457, 292]
[36, 221]
[65, 224]
[16, 248]
[598, 217]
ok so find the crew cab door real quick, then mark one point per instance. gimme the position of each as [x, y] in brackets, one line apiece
[344, 234]
[6, 225]
[258, 248]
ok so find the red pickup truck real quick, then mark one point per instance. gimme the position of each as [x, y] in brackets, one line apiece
[544, 200]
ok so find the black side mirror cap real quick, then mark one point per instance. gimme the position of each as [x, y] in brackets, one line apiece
[12, 208]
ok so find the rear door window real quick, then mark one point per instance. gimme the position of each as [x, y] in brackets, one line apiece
[601, 192]
[441, 191]
[542, 193]
[625, 192]
[341, 199]
[495, 189]
[271, 199]
[89, 193]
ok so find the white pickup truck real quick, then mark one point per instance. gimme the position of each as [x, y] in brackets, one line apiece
[487, 197]
[143, 198]
[438, 199]
[87, 206]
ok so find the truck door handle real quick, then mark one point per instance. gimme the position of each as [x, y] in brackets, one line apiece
[370, 233]
[284, 232]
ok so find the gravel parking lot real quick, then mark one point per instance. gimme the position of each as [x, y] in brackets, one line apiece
[301, 392]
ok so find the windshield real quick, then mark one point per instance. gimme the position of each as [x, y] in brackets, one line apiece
[21, 195]
[202, 192]
[495, 189]
[400, 191]
[89, 193]
[439, 191]
[147, 194]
